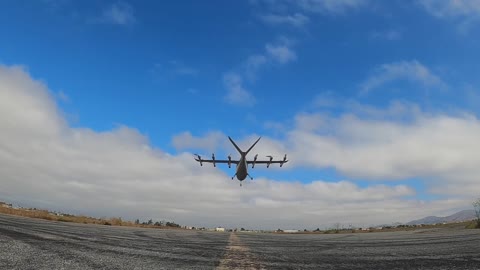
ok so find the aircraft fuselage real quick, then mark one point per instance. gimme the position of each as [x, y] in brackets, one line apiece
[242, 168]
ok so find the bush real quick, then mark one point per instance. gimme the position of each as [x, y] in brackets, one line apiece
[64, 219]
[472, 225]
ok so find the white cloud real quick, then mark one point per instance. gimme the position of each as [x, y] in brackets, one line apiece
[466, 13]
[55, 5]
[63, 97]
[310, 122]
[326, 99]
[397, 143]
[383, 149]
[46, 163]
[280, 53]
[253, 64]
[451, 8]
[276, 127]
[412, 71]
[237, 94]
[312, 6]
[120, 13]
[296, 20]
[329, 6]
[209, 142]
[400, 142]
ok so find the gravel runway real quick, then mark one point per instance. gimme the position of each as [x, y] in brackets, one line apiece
[38, 244]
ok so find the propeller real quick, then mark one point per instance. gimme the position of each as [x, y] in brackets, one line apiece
[229, 160]
[213, 159]
[284, 160]
[268, 164]
[199, 158]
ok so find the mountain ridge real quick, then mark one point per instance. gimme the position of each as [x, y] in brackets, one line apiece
[463, 215]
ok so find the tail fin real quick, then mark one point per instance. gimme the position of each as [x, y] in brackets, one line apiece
[240, 150]
[253, 145]
[236, 146]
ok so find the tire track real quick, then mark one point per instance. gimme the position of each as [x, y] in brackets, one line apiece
[238, 256]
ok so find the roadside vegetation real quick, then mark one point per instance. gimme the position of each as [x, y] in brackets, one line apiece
[476, 206]
[118, 221]
[62, 217]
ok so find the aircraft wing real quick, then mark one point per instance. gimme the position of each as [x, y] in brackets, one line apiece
[266, 162]
[216, 161]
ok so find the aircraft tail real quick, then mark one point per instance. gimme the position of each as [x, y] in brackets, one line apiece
[236, 146]
[251, 147]
[240, 150]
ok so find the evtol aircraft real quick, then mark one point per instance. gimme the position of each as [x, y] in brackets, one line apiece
[242, 164]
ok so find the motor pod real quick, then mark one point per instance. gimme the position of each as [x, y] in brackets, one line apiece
[284, 160]
[270, 161]
[199, 159]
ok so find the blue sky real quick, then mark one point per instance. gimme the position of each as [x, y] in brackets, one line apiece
[333, 83]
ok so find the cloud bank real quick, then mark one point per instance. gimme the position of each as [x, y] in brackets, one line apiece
[47, 163]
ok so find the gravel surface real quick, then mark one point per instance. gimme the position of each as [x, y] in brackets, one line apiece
[38, 244]
[421, 249]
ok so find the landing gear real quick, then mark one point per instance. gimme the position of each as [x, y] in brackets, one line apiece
[240, 183]
[234, 176]
[251, 178]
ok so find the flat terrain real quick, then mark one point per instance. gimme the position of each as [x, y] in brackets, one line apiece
[38, 244]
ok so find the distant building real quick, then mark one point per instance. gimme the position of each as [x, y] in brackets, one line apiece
[290, 231]
[220, 229]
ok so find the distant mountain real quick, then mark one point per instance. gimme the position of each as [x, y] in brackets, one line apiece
[459, 216]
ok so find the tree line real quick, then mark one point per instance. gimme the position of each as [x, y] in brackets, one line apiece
[150, 222]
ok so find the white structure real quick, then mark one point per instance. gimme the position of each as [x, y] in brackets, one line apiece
[220, 229]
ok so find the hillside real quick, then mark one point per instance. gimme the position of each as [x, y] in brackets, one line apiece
[464, 215]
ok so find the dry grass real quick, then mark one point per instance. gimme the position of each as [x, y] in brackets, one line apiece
[45, 214]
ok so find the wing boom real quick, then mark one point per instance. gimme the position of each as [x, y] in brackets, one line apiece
[268, 162]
